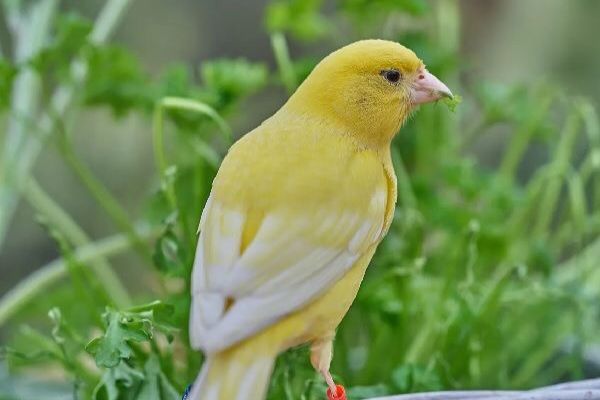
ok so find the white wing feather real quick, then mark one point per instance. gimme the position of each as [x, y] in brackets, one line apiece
[283, 268]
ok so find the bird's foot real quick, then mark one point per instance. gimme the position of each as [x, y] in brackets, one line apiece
[338, 394]
[320, 357]
[329, 380]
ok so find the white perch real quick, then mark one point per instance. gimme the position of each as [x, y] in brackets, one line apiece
[582, 390]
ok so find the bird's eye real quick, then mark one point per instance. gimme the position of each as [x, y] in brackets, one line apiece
[391, 75]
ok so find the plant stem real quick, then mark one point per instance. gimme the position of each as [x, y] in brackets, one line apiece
[576, 190]
[592, 124]
[448, 24]
[580, 267]
[284, 62]
[419, 344]
[539, 357]
[110, 15]
[102, 196]
[559, 167]
[448, 33]
[522, 137]
[519, 221]
[160, 158]
[72, 232]
[14, 300]
[60, 102]
[178, 103]
[30, 32]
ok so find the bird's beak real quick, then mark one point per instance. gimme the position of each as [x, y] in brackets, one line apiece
[427, 88]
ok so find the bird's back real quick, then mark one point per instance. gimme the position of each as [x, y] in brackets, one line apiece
[288, 164]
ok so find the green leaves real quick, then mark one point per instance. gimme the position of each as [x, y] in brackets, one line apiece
[70, 38]
[368, 392]
[362, 8]
[120, 83]
[7, 75]
[303, 67]
[117, 353]
[118, 382]
[300, 18]
[156, 385]
[170, 254]
[121, 332]
[130, 372]
[305, 21]
[453, 102]
[413, 378]
[160, 315]
[233, 79]
[126, 328]
[117, 81]
[125, 383]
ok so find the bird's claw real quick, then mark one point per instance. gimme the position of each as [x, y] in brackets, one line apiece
[330, 382]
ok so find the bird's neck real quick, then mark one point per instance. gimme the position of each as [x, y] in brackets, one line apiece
[368, 132]
[369, 125]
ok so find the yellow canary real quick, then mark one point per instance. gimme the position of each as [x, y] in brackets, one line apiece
[295, 214]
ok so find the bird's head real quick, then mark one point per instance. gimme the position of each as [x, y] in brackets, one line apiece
[368, 87]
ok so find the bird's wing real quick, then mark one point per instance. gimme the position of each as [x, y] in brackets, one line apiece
[240, 288]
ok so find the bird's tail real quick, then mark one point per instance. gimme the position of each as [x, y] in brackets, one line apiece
[240, 373]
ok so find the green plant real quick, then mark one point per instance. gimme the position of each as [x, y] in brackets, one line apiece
[482, 281]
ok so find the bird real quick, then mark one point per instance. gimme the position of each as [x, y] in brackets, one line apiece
[295, 214]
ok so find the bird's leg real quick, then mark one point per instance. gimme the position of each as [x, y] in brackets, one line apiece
[321, 353]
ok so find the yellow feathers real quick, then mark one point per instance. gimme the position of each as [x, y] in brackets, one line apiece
[347, 89]
[297, 169]
[296, 212]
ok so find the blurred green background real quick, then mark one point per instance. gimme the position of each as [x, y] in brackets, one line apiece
[489, 275]
[504, 41]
